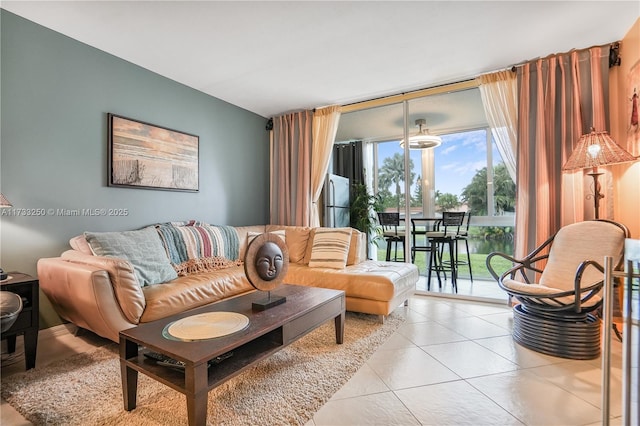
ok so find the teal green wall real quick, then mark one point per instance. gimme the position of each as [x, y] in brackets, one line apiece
[56, 93]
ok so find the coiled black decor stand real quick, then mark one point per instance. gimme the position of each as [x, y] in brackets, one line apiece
[563, 335]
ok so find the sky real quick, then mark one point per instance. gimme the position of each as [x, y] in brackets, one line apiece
[457, 160]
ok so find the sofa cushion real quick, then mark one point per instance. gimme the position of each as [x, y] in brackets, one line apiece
[192, 291]
[242, 232]
[197, 247]
[252, 235]
[372, 280]
[357, 248]
[297, 238]
[329, 247]
[142, 248]
[80, 244]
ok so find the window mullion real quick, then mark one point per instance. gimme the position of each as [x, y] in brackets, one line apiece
[490, 201]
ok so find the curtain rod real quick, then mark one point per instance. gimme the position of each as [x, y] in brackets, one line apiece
[615, 60]
[386, 100]
[455, 86]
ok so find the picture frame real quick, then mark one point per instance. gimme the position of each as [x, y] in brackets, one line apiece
[148, 156]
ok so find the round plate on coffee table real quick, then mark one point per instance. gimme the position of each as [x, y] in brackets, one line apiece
[206, 326]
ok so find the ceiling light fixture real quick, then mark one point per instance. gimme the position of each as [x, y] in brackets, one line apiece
[423, 139]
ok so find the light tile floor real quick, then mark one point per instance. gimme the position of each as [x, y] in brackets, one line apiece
[481, 290]
[453, 362]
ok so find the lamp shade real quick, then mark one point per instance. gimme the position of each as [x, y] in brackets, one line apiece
[423, 139]
[596, 149]
[4, 203]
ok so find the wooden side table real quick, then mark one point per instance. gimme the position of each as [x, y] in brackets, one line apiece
[28, 321]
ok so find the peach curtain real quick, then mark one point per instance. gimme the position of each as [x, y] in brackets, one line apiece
[291, 169]
[560, 98]
[325, 126]
[499, 92]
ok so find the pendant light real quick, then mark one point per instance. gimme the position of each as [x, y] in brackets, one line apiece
[423, 139]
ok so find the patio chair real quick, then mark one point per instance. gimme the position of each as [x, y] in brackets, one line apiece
[462, 236]
[421, 243]
[445, 234]
[557, 314]
[390, 223]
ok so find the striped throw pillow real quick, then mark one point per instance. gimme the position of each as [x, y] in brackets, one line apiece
[330, 248]
[194, 246]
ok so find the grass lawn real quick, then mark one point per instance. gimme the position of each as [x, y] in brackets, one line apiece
[478, 264]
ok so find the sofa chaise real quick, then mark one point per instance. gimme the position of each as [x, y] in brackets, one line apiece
[112, 281]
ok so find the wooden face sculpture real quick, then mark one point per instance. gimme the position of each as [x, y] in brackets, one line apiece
[269, 261]
[266, 261]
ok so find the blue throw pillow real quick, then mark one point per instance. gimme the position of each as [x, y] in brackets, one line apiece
[142, 248]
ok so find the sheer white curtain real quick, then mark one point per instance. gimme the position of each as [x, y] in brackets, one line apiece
[325, 126]
[499, 93]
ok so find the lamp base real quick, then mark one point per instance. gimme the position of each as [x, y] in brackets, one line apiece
[597, 196]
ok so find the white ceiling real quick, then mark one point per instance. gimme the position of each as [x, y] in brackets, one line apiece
[274, 57]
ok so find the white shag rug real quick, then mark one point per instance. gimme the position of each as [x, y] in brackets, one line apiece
[285, 389]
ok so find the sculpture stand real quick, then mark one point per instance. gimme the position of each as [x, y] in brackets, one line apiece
[269, 302]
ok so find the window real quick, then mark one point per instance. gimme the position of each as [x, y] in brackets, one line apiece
[464, 173]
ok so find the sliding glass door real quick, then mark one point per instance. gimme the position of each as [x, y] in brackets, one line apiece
[456, 168]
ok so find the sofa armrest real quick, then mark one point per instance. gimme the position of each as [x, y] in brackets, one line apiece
[83, 294]
[122, 277]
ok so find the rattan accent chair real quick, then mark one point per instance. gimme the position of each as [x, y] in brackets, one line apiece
[557, 314]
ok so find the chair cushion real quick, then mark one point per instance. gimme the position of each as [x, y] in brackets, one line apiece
[541, 290]
[575, 243]
[393, 234]
[440, 234]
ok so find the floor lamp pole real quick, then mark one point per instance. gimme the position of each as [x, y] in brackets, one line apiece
[597, 196]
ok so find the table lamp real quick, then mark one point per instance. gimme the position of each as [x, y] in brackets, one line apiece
[4, 204]
[596, 149]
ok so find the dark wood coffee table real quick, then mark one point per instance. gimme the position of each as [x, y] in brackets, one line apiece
[269, 331]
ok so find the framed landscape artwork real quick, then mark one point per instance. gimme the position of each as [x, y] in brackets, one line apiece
[143, 155]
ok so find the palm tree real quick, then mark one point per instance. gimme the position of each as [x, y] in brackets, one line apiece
[392, 174]
[448, 202]
[475, 193]
[504, 191]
